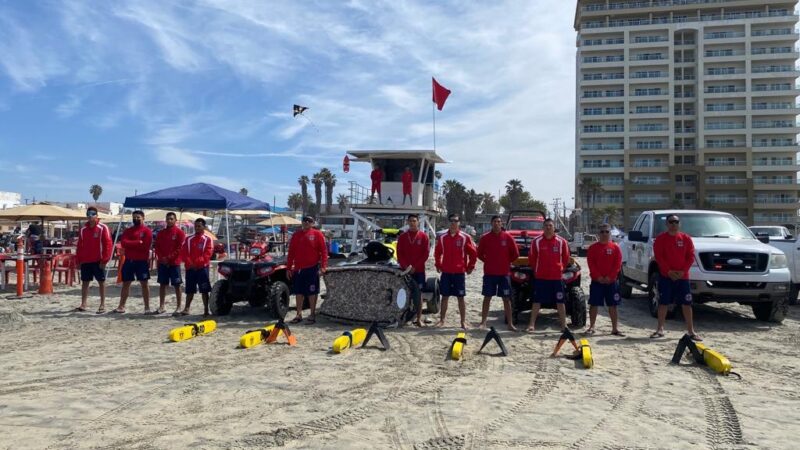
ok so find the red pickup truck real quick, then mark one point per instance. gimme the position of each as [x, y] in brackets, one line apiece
[524, 225]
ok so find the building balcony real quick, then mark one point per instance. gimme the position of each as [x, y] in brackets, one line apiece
[776, 167]
[789, 92]
[791, 36]
[751, 16]
[776, 203]
[726, 181]
[778, 73]
[793, 55]
[775, 219]
[603, 117]
[719, 201]
[608, 169]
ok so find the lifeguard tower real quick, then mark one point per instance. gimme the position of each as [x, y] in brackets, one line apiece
[370, 215]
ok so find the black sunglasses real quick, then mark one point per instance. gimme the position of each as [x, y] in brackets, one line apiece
[674, 221]
[604, 232]
[454, 221]
[91, 214]
[308, 221]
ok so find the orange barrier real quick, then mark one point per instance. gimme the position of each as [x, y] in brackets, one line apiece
[46, 278]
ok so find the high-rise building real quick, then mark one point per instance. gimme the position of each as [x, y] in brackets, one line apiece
[688, 103]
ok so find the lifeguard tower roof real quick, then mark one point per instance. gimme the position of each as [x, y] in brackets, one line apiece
[369, 155]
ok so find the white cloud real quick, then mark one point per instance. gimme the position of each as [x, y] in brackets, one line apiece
[174, 156]
[97, 162]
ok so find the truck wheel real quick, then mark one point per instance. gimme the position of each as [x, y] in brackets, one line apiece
[218, 301]
[653, 295]
[577, 301]
[794, 290]
[432, 288]
[625, 289]
[774, 311]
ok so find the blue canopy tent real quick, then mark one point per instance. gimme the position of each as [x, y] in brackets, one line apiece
[197, 196]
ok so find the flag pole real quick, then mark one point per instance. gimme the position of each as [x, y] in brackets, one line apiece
[433, 113]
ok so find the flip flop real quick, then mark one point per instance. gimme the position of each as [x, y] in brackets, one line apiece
[618, 333]
[117, 311]
[589, 332]
[656, 334]
[183, 313]
[311, 321]
[417, 323]
[696, 338]
[101, 311]
[296, 320]
[176, 314]
[79, 309]
[159, 311]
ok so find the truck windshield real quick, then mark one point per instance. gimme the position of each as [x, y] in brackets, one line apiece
[707, 225]
[527, 225]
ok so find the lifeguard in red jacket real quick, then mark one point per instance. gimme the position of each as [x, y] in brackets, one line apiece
[196, 254]
[413, 249]
[407, 179]
[168, 253]
[548, 256]
[136, 242]
[455, 256]
[377, 178]
[497, 250]
[92, 254]
[307, 258]
[605, 262]
[674, 254]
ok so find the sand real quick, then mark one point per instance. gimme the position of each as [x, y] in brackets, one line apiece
[79, 380]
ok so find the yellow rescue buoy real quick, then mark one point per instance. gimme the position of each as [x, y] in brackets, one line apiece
[256, 337]
[457, 348]
[715, 360]
[191, 330]
[349, 339]
[586, 354]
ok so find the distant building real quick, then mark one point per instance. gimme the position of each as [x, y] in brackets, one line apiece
[10, 199]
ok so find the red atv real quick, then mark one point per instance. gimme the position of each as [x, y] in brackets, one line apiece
[260, 281]
[522, 274]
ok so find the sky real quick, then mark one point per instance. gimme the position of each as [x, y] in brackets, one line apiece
[140, 95]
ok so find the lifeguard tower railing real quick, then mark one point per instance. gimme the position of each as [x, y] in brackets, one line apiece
[359, 194]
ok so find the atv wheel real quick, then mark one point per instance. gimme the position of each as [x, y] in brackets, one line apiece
[258, 298]
[653, 296]
[519, 303]
[432, 287]
[218, 301]
[278, 299]
[625, 289]
[774, 311]
[577, 310]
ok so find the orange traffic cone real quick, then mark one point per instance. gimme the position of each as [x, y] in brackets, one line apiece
[119, 268]
[46, 277]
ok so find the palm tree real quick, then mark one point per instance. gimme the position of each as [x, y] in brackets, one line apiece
[472, 201]
[295, 201]
[96, 190]
[489, 204]
[329, 179]
[243, 191]
[590, 187]
[514, 190]
[317, 180]
[455, 194]
[342, 200]
[303, 180]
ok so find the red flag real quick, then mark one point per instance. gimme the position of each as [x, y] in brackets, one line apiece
[440, 94]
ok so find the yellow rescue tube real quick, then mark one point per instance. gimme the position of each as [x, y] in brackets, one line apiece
[349, 339]
[256, 337]
[457, 349]
[716, 361]
[586, 354]
[189, 331]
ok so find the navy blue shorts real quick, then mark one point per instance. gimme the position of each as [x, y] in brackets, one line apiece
[138, 269]
[548, 291]
[496, 286]
[169, 275]
[604, 294]
[305, 282]
[453, 284]
[92, 270]
[197, 279]
[677, 292]
[419, 277]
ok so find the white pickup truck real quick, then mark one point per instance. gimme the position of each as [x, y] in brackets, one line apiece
[730, 265]
[782, 239]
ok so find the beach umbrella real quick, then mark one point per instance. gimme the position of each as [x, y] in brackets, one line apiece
[247, 212]
[41, 211]
[278, 220]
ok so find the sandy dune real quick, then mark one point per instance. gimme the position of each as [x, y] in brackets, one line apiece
[85, 381]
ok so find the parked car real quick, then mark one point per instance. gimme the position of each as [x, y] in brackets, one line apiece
[790, 246]
[731, 265]
[774, 232]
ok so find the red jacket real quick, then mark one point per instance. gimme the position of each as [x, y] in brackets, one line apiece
[307, 249]
[455, 254]
[674, 253]
[94, 244]
[497, 251]
[196, 251]
[376, 176]
[136, 241]
[548, 257]
[168, 244]
[413, 250]
[605, 260]
[408, 178]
